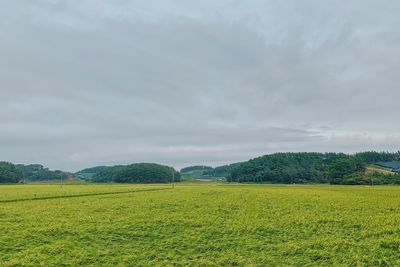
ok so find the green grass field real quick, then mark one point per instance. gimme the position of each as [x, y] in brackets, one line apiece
[199, 225]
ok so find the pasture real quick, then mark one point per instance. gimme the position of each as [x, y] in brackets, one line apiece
[199, 225]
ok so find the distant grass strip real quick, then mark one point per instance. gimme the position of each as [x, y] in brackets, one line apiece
[82, 195]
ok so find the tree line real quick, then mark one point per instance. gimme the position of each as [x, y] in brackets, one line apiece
[137, 173]
[207, 172]
[303, 167]
[10, 173]
[133, 173]
[334, 168]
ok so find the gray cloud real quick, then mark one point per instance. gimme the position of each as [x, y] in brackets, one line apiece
[180, 82]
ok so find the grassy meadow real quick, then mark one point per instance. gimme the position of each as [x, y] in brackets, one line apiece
[199, 225]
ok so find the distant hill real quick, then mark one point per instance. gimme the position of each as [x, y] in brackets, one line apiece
[225, 170]
[37, 172]
[372, 168]
[195, 172]
[198, 168]
[376, 157]
[286, 168]
[133, 173]
[306, 167]
[88, 173]
[369, 167]
[207, 172]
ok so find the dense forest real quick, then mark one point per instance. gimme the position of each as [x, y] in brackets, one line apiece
[88, 173]
[286, 168]
[303, 167]
[207, 172]
[223, 171]
[9, 173]
[37, 172]
[137, 173]
[370, 157]
[334, 168]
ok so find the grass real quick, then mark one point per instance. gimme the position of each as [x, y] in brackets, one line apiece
[378, 169]
[201, 225]
[12, 193]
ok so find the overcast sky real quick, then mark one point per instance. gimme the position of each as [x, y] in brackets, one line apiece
[178, 82]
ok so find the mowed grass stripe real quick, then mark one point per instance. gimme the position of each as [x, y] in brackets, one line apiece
[82, 195]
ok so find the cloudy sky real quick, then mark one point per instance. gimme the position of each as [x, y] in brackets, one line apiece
[180, 82]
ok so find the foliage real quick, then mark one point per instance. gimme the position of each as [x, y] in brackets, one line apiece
[335, 168]
[344, 167]
[374, 156]
[96, 169]
[241, 225]
[137, 173]
[375, 178]
[88, 173]
[225, 170]
[9, 173]
[206, 172]
[195, 168]
[286, 168]
[195, 172]
[36, 172]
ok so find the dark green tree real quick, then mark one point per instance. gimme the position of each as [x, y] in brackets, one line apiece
[342, 168]
[9, 173]
[285, 168]
[137, 173]
[36, 172]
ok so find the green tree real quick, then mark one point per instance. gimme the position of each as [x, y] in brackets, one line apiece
[137, 173]
[342, 168]
[9, 173]
[285, 168]
[36, 172]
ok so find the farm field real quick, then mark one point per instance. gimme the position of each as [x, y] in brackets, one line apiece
[12, 193]
[199, 225]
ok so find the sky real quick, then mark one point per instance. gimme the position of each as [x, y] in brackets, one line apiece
[178, 82]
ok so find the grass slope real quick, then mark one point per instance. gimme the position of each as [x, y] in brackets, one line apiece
[378, 169]
[202, 225]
